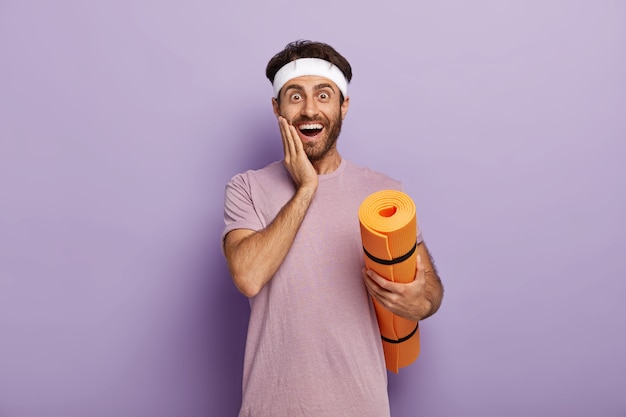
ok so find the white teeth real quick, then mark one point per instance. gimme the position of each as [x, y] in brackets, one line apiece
[311, 126]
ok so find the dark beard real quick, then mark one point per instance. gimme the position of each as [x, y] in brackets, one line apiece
[329, 143]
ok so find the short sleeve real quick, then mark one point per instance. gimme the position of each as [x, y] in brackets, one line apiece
[239, 210]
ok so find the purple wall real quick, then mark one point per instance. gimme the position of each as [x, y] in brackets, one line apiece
[121, 121]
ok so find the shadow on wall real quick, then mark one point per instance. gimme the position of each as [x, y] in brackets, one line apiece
[228, 319]
[229, 310]
[256, 144]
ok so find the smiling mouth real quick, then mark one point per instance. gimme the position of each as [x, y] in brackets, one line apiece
[310, 129]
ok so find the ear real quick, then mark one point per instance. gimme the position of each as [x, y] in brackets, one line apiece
[344, 107]
[275, 106]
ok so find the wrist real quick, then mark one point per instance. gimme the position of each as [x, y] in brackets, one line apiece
[305, 192]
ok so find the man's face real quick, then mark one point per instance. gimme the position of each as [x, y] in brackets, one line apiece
[311, 105]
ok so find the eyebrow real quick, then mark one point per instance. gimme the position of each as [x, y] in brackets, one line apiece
[324, 85]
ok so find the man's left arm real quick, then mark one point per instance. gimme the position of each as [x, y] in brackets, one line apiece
[416, 300]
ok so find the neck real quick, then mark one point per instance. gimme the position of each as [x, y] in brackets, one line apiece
[328, 164]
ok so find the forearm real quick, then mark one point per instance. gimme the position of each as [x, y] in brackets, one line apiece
[430, 301]
[254, 260]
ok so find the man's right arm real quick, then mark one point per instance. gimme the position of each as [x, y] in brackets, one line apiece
[254, 257]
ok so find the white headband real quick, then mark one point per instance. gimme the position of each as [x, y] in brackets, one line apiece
[310, 66]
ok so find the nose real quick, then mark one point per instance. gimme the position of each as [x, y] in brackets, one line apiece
[309, 108]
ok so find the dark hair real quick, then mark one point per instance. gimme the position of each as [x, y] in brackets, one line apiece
[307, 49]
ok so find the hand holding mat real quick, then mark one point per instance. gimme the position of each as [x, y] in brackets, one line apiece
[388, 232]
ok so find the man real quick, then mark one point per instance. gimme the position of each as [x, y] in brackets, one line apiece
[293, 246]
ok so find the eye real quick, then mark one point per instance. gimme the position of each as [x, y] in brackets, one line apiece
[296, 97]
[324, 96]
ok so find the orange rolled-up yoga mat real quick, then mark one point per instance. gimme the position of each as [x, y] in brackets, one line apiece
[389, 235]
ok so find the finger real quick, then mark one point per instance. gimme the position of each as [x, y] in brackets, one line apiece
[289, 145]
[296, 139]
[375, 291]
[369, 284]
[281, 126]
[421, 268]
[379, 283]
[379, 295]
[293, 139]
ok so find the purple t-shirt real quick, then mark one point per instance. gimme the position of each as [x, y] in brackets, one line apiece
[313, 346]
